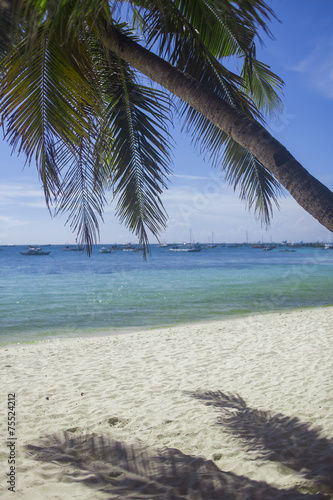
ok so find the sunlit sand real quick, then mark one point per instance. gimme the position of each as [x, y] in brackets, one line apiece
[241, 408]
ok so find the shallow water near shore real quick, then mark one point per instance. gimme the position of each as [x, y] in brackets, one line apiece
[68, 294]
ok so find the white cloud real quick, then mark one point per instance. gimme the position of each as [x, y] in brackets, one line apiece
[21, 195]
[204, 205]
[226, 215]
[318, 67]
[10, 221]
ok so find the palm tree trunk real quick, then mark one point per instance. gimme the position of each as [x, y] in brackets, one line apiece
[309, 193]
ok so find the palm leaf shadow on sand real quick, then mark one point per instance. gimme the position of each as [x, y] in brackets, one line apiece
[134, 473]
[276, 437]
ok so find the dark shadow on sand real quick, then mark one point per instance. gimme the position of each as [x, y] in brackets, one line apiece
[134, 473]
[276, 437]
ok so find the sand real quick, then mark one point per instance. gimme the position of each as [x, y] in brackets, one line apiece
[234, 409]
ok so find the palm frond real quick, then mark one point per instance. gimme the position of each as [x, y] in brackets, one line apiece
[184, 47]
[256, 185]
[80, 113]
[134, 142]
[81, 194]
[261, 84]
[139, 154]
[258, 188]
[47, 96]
[71, 15]
[197, 36]
[49, 103]
[224, 29]
[8, 25]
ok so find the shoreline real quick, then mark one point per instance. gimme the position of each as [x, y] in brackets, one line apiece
[102, 332]
[246, 403]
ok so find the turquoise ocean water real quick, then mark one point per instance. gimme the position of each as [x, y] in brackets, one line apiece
[68, 294]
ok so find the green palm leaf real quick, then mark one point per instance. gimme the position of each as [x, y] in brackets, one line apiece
[196, 35]
[81, 195]
[139, 157]
[261, 85]
[46, 99]
[256, 185]
[7, 25]
[193, 35]
[184, 46]
[49, 104]
[134, 140]
[78, 110]
[258, 188]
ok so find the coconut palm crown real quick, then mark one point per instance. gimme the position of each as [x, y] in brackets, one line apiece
[75, 104]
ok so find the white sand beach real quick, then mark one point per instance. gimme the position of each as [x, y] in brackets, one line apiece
[234, 409]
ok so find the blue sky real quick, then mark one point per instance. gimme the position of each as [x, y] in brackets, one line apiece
[198, 198]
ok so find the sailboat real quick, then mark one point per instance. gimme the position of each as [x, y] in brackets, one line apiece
[212, 244]
[187, 247]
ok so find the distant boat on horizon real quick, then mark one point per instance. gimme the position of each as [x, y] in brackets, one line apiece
[186, 248]
[34, 251]
[78, 248]
[105, 250]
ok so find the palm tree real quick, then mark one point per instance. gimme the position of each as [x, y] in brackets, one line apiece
[75, 98]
